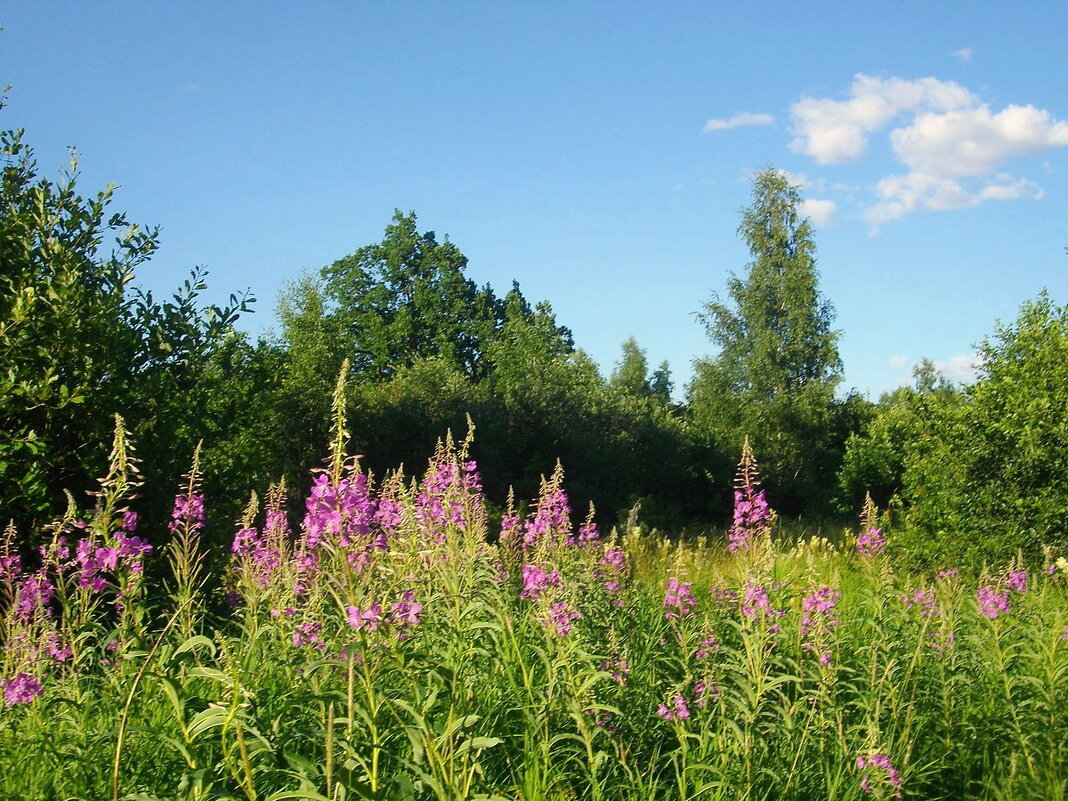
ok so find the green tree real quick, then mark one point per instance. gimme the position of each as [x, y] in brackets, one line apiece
[65, 344]
[631, 375]
[875, 454]
[988, 475]
[408, 298]
[775, 375]
[661, 384]
[78, 344]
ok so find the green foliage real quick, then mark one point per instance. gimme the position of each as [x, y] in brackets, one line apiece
[631, 375]
[432, 672]
[408, 298]
[989, 475]
[79, 345]
[402, 419]
[65, 343]
[775, 375]
[875, 453]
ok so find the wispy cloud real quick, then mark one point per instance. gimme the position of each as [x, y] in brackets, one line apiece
[821, 212]
[964, 54]
[739, 120]
[952, 144]
[963, 367]
[960, 368]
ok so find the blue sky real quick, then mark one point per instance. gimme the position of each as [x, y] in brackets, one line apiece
[599, 153]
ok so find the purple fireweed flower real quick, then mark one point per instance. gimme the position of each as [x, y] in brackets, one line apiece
[588, 533]
[33, 593]
[510, 526]
[389, 515]
[22, 689]
[129, 522]
[132, 548]
[245, 541]
[888, 774]
[948, 574]
[551, 519]
[54, 648]
[405, 612]
[752, 517]
[449, 494]
[756, 605]
[817, 620]
[370, 618]
[678, 600]
[677, 711]
[341, 514]
[924, 601]
[536, 580]
[188, 510]
[703, 691]
[615, 558]
[11, 567]
[991, 602]
[107, 558]
[871, 542]
[1017, 581]
[308, 634]
[561, 617]
[708, 645]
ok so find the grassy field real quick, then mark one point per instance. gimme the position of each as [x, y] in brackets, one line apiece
[383, 648]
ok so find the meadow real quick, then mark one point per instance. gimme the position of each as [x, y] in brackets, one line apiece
[390, 645]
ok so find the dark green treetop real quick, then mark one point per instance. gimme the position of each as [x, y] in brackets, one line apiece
[408, 298]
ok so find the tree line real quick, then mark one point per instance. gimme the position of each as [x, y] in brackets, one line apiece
[970, 471]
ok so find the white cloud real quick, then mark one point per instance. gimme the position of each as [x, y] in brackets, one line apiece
[956, 368]
[821, 212]
[835, 131]
[964, 54]
[959, 368]
[975, 141]
[952, 145]
[743, 118]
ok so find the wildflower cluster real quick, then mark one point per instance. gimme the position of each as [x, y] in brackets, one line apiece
[757, 607]
[886, 774]
[871, 541]
[450, 497]
[817, 620]
[560, 618]
[678, 599]
[676, 711]
[536, 580]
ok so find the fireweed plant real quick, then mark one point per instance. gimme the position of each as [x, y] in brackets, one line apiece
[388, 643]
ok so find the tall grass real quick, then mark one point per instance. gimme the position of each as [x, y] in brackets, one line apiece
[386, 646]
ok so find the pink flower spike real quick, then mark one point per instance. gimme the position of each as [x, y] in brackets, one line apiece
[22, 689]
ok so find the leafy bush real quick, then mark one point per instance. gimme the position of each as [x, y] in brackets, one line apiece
[984, 472]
